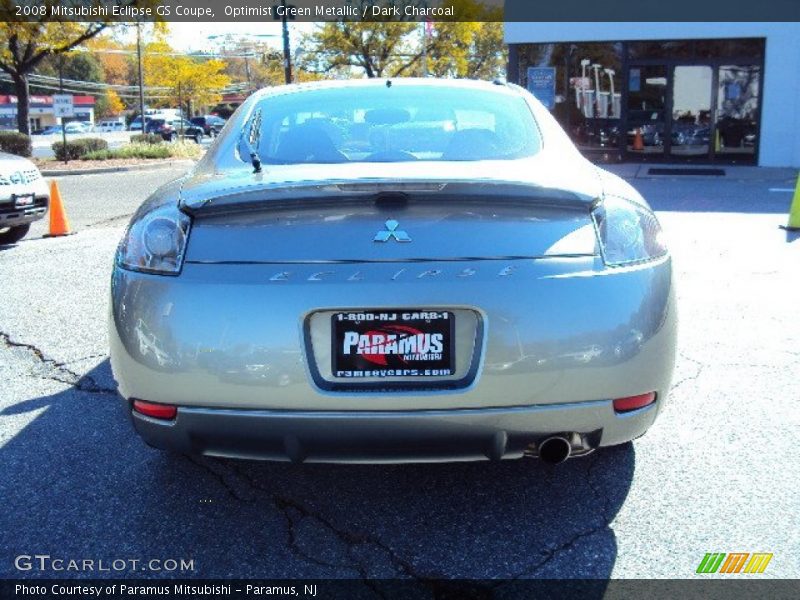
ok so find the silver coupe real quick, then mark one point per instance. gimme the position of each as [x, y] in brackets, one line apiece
[393, 271]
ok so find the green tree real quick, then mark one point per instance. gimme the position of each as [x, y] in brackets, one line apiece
[382, 49]
[472, 46]
[80, 66]
[23, 46]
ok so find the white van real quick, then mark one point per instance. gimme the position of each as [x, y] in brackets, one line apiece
[106, 125]
[167, 114]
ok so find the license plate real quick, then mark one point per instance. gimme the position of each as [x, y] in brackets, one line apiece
[393, 343]
[21, 200]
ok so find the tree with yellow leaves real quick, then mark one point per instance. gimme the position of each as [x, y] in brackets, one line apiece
[113, 104]
[192, 81]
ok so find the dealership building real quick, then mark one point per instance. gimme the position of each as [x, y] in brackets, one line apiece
[703, 93]
[41, 112]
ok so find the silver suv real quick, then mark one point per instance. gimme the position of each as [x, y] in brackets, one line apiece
[24, 197]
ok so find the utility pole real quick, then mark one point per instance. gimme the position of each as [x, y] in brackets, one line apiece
[61, 91]
[287, 57]
[424, 48]
[247, 69]
[180, 112]
[141, 80]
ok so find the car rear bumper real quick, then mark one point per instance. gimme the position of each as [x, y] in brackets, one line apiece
[230, 346]
[392, 437]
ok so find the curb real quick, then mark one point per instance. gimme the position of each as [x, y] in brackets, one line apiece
[119, 169]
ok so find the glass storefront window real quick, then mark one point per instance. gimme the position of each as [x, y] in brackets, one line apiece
[660, 49]
[694, 100]
[690, 132]
[737, 110]
[739, 48]
[647, 103]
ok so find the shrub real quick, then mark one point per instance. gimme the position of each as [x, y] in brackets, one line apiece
[146, 138]
[131, 151]
[140, 150]
[14, 142]
[191, 150]
[78, 148]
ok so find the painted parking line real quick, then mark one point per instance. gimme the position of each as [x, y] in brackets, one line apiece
[781, 189]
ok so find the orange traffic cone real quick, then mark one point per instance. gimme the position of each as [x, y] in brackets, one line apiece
[59, 224]
[638, 142]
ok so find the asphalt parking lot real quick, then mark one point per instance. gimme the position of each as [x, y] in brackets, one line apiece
[717, 473]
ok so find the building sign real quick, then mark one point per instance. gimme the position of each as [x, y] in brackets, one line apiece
[63, 105]
[542, 84]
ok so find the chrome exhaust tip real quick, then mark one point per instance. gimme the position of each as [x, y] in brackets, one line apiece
[555, 450]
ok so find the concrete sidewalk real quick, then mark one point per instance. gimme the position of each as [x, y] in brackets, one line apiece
[732, 172]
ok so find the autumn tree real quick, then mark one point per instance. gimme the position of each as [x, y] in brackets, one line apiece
[24, 45]
[109, 104]
[117, 66]
[196, 81]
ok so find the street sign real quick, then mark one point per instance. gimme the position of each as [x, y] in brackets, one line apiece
[542, 84]
[63, 105]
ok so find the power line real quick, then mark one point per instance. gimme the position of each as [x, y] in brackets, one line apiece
[129, 96]
[183, 54]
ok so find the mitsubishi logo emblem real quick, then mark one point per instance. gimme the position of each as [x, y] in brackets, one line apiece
[390, 232]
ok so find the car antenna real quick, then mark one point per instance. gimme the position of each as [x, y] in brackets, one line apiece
[255, 160]
[255, 128]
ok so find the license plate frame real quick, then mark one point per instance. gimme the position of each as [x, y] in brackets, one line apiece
[24, 200]
[405, 344]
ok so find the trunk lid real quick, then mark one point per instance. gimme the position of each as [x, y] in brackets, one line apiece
[390, 212]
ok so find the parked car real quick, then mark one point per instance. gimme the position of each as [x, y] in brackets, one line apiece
[211, 124]
[171, 130]
[24, 197]
[136, 124]
[309, 295]
[71, 127]
[690, 135]
[109, 125]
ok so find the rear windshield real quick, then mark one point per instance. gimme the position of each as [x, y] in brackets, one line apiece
[390, 124]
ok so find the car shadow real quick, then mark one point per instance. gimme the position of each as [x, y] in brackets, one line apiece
[78, 483]
[791, 235]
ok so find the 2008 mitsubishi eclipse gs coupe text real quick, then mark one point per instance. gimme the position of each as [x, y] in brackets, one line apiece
[393, 271]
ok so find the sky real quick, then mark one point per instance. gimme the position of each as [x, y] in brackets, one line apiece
[190, 36]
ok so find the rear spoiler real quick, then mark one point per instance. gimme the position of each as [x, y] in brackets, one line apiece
[344, 192]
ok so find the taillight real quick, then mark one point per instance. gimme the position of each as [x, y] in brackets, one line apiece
[630, 403]
[156, 411]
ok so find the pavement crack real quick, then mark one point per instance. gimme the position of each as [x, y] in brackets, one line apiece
[291, 508]
[551, 553]
[220, 477]
[605, 514]
[53, 370]
[699, 368]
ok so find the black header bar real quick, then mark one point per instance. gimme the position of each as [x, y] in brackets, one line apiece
[401, 10]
